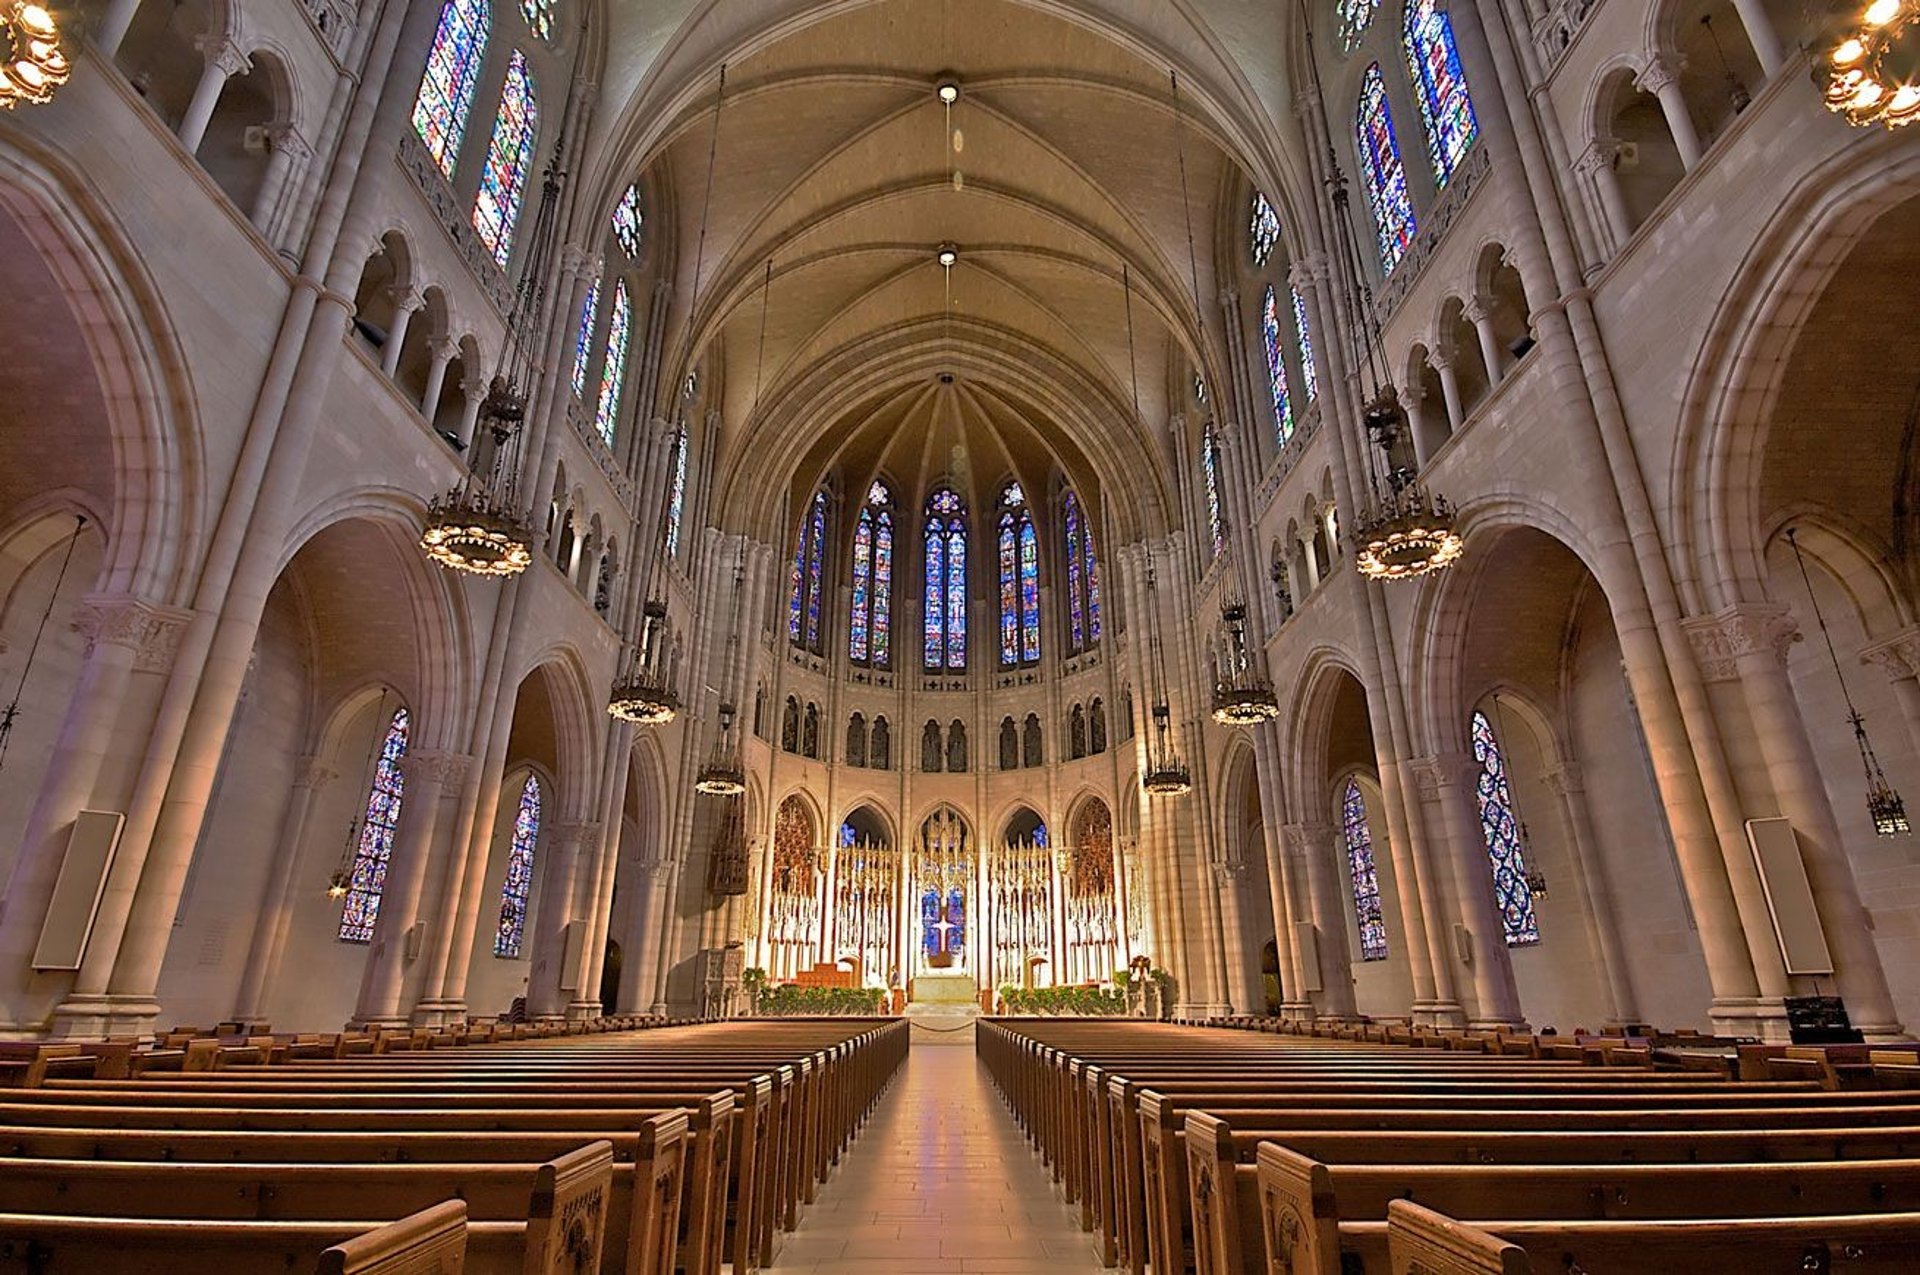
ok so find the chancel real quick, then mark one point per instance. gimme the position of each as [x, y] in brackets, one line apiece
[949, 635]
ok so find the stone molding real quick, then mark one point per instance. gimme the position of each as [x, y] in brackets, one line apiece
[152, 633]
[1437, 774]
[1898, 656]
[1720, 641]
[579, 834]
[1302, 837]
[433, 766]
[1567, 780]
[314, 774]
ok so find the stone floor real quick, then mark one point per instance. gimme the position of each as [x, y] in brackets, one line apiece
[940, 1180]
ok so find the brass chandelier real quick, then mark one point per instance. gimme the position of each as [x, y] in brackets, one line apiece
[723, 775]
[1167, 773]
[35, 64]
[644, 693]
[1872, 72]
[1241, 695]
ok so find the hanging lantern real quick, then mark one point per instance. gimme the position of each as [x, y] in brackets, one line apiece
[723, 775]
[1167, 774]
[35, 64]
[1241, 697]
[1402, 532]
[644, 695]
[1872, 72]
[472, 528]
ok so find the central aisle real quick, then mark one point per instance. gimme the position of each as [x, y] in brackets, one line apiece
[940, 1180]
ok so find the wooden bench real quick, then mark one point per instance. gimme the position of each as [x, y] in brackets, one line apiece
[430, 1242]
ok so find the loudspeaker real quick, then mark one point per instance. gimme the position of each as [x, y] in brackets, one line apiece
[76, 895]
[1783, 879]
[1309, 939]
[1463, 944]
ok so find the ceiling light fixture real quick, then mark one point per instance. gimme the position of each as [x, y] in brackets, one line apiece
[34, 64]
[948, 91]
[1872, 72]
[947, 256]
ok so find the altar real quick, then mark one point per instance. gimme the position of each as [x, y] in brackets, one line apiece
[942, 1007]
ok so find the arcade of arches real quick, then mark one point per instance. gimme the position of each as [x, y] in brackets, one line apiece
[936, 373]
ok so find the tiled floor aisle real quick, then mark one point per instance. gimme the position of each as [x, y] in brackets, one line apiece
[940, 1180]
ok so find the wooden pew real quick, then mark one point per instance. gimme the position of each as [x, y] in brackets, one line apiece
[430, 1242]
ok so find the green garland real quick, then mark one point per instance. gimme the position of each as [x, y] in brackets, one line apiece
[788, 1001]
[1091, 1002]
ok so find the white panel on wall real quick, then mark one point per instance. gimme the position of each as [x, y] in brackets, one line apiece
[570, 963]
[1309, 955]
[1783, 875]
[76, 895]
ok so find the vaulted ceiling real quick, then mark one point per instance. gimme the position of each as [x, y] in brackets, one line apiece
[1056, 175]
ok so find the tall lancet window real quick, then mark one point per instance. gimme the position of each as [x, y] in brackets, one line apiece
[446, 90]
[539, 16]
[613, 376]
[1083, 577]
[1276, 366]
[1308, 378]
[1440, 86]
[1263, 230]
[1506, 849]
[1381, 171]
[503, 182]
[1366, 884]
[869, 631]
[806, 579]
[1019, 580]
[628, 222]
[515, 890]
[583, 338]
[368, 878]
[677, 495]
[1210, 478]
[946, 582]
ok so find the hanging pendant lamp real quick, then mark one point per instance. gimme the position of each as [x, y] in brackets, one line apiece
[1241, 696]
[1870, 74]
[723, 775]
[32, 63]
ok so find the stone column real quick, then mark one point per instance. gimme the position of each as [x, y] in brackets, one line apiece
[1750, 643]
[1243, 966]
[1595, 168]
[406, 304]
[112, 29]
[276, 903]
[1663, 81]
[1441, 360]
[1596, 893]
[290, 155]
[124, 636]
[641, 974]
[427, 775]
[1899, 657]
[1312, 846]
[473, 387]
[441, 351]
[224, 61]
[1420, 422]
[1284, 884]
[1447, 786]
[1760, 34]
[568, 848]
[1480, 314]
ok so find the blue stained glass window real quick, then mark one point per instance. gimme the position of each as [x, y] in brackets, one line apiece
[583, 339]
[1506, 851]
[1083, 577]
[1029, 592]
[803, 602]
[1440, 86]
[519, 883]
[1093, 589]
[446, 90]
[628, 222]
[1210, 476]
[496, 208]
[1276, 366]
[882, 623]
[1355, 16]
[677, 495]
[613, 375]
[1384, 176]
[539, 16]
[817, 537]
[1366, 883]
[858, 646]
[1009, 604]
[1263, 229]
[946, 581]
[367, 880]
[1308, 378]
[1019, 580]
[867, 636]
[936, 937]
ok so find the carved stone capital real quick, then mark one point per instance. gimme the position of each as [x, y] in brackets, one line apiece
[224, 54]
[405, 298]
[432, 766]
[1598, 155]
[1567, 779]
[314, 774]
[1658, 75]
[577, 260]
[1307, 269]
[578, 835]
[152, 633]
[1742, 632]
[1302, 837]
[1437, 775]
[1228, 874]
[1229, 297]
[1898, 656]
[443, 348]
[1476, 311]
[287, 140]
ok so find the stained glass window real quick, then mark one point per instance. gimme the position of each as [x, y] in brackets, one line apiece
[446, 90]
[496, 208]
[628, 221]
[367, 880]
[1382, 172]
[867, 634]
[583, 339]
[803, 604]
[1019, 580]
[677, 494]
[1083, 577]
[519, 882]
[613, 375]
[1366, 884]
[1440, 86]
[1506, 851]
[1308, 379]
[946, 581]
[1276, 366]
[1355, 16]
[539, 16]
[1210, 476]
[1263, 229]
